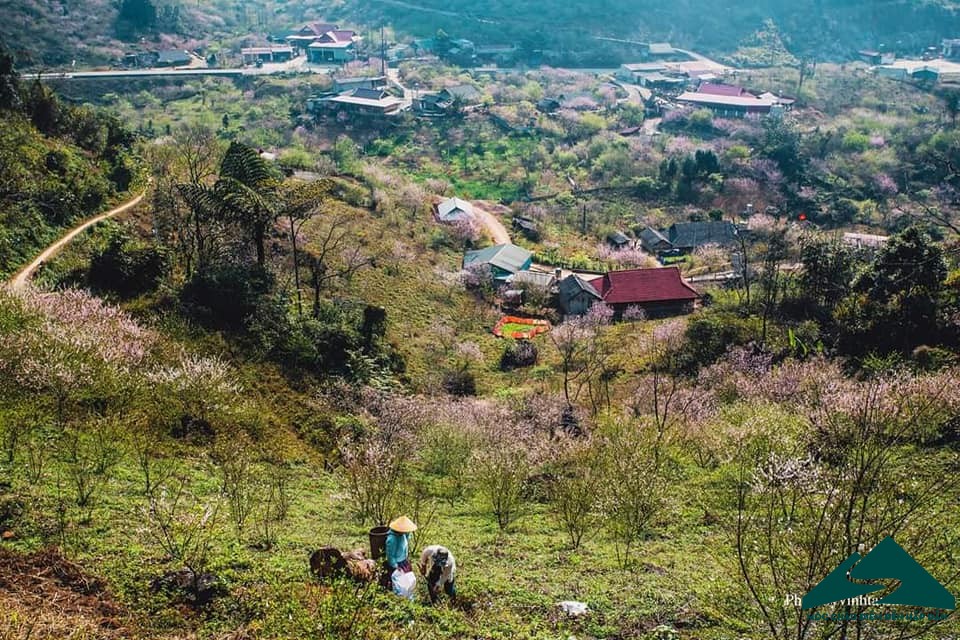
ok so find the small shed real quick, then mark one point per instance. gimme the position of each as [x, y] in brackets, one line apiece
[654, 242]
[619, 240]
[173, 59]
[577, 295]
[542, 279]
[453, 210]
[526, 226]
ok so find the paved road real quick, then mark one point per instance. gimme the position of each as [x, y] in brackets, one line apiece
[20, 280]
[393, 75]
[236, 72]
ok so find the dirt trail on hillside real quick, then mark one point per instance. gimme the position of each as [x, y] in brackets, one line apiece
[22, 277]
[495, 229]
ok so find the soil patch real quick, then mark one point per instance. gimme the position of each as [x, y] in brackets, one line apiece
[44, 595]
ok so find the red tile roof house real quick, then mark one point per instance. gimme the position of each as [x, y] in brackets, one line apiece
[659, 292]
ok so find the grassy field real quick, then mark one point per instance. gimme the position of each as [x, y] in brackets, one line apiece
[510, 583]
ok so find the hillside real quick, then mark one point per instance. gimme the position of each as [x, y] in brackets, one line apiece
[88, 31]
[58, 163]
[826, 28]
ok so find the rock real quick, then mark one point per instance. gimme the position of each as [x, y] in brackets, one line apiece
[573, 608]
[199, 591]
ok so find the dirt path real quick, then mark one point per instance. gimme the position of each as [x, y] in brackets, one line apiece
[495, 229]
[22, 277]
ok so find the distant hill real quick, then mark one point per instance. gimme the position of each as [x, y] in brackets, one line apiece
[830, 28]
[56, 32]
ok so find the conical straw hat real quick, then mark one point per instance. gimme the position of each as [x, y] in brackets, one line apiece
[403, 524]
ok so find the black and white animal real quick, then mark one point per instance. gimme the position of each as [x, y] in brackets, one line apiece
[439, 568]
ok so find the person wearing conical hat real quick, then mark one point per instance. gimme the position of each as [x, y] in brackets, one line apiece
[398, 544]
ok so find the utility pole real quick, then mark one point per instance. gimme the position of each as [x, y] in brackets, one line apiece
[583, 221]
[383, 53]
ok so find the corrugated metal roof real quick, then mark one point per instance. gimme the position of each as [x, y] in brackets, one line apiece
[508, 257]
[726, 101]
[573, 285]
[454, 209]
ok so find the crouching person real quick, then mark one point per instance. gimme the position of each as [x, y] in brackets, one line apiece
[439, 568]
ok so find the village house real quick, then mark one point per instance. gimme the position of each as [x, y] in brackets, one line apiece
[687, 236]
[577, 295]
[550, 104]
[308, 33]
[465, 93]
[657, 80]
[929, 71]
[631, 71]
[428, 104]
[654, 242]
[720, 89]
[342, 85]
[336, 46]
[950, 48]
[454, 210]
[369, 102]
[619, 240]
[659, 49]
[876, 57]
[864, 240]
[504, 260]
[253, 55]
[526, 226]
[727, 106]
[658, 292]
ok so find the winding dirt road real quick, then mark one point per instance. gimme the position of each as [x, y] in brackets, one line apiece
[491, 223]
[22, 277]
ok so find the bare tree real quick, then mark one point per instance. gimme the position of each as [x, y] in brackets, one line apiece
[806, 505]
[336, 251]
[583, 353]
[185, 531]
[300, 203]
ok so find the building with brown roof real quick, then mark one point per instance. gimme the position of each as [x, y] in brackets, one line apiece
[658, 292]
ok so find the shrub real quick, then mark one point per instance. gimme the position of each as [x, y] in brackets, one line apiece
[520, 353]
[932, 358]
[226, 296]
[634, 486]
[126, 268]
[501, 470]
[460, 382]
[375, 469]
[575, 495]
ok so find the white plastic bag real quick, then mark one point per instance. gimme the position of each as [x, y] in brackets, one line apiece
[404, 583]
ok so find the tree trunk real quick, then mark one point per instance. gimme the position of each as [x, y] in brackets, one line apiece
[296, 267]
[258, 237]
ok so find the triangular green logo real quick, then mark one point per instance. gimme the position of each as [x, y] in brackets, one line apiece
[886, 561]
